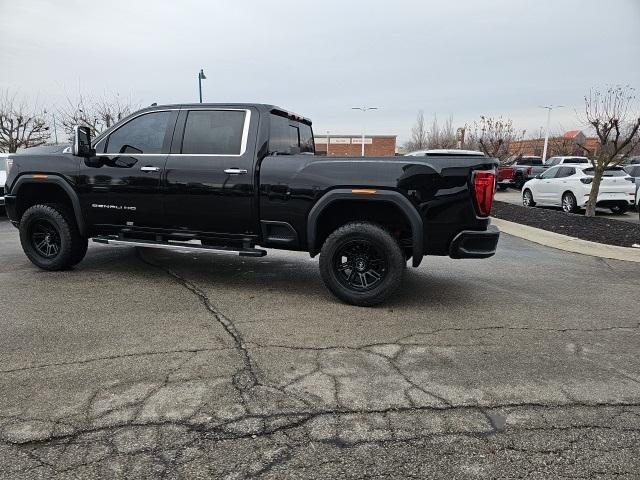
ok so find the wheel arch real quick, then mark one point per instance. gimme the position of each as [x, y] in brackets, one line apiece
[376, 198]
[28, 191]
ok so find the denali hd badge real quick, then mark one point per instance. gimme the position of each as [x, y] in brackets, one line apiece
[113, 207]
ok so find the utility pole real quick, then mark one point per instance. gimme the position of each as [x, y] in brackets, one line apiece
[546, 133]
[201, 76]
[363, 109]
[328, 139]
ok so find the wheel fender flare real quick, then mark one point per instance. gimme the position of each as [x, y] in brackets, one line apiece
[26, 179]
[389, 196]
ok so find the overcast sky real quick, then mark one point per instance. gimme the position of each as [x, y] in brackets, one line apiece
[320, 58]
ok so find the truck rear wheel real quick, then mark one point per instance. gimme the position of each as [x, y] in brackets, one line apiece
[361, 264]
[50, 238]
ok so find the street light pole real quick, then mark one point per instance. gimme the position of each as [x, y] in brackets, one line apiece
[363, 109]
[546, 133]
[201, 76]
[328, 139]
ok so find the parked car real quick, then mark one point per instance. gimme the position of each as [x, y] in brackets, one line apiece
[553, 161]
[634, 172]
[505, 177]
[3, 178]
[228, 178]
[523, 168]
[568, 186]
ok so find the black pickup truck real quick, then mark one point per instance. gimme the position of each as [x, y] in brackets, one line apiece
[229, 178]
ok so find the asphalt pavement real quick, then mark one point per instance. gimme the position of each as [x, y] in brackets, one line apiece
[145, 364]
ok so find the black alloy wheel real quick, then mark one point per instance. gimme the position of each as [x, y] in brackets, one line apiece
[50, 237]
[359, 265]
[45, 238]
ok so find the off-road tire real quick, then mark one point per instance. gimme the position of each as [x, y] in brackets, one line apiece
[382, 247]
[71, 246]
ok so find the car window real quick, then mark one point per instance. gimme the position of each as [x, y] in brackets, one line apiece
[550, 173]
[306, 138]
[523, 161]
[565, 172]
[553, 161]
[288, 137]
[217, 132]
[576, 160]
[609, 172]
[143, 134]
[3, 164]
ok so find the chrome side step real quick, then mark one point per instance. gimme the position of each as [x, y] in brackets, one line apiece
[244, 252]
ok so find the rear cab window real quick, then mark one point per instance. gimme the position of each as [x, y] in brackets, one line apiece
[289, 137]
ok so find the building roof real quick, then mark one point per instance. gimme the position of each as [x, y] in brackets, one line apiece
[571, 134]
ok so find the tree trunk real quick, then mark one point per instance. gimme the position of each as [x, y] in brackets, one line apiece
[593, 194]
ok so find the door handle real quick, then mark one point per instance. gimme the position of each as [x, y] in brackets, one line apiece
[235, 171]
[150, 169]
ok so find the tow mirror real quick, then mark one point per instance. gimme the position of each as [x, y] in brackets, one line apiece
[81, 146]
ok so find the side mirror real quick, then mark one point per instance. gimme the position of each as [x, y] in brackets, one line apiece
[81, 146]
[538, 177]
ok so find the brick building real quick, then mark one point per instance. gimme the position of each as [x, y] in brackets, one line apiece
[351, 145]
[570, 143]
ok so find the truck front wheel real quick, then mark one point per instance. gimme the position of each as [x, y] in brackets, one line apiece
[361, 264]
[50, 238]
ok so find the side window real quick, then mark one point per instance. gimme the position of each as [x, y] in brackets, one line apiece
[99, 147]
[536, 161]
[143, 134]
[565, 172]
[551, 173]
[213, 132]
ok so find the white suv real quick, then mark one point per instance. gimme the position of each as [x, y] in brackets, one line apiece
[3, 177]
[568, 186]
[553, 161]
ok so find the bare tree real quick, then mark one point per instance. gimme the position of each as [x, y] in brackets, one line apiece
[21, 126]
[614, 116]
[98, 114]
[418, 139]
[494, 136]
[441, 137]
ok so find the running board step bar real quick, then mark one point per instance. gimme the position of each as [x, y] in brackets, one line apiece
[243, 252]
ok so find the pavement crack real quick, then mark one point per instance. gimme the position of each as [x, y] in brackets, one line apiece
[110, 357]
[250, 376]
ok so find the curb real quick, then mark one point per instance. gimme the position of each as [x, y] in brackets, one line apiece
[566, 243]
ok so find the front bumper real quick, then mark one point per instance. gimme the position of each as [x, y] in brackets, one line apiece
[474, 243]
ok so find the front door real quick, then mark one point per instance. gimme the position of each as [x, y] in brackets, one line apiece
[121, 185]
[546, 186]
[209, 174]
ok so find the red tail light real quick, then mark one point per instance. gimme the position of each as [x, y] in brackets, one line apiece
[483, 187]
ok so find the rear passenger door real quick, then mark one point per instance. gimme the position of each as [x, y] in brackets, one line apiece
[209, 181]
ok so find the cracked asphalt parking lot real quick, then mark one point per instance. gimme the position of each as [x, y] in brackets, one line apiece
[148, 364]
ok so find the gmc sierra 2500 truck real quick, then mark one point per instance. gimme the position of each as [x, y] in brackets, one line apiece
[229, 178]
